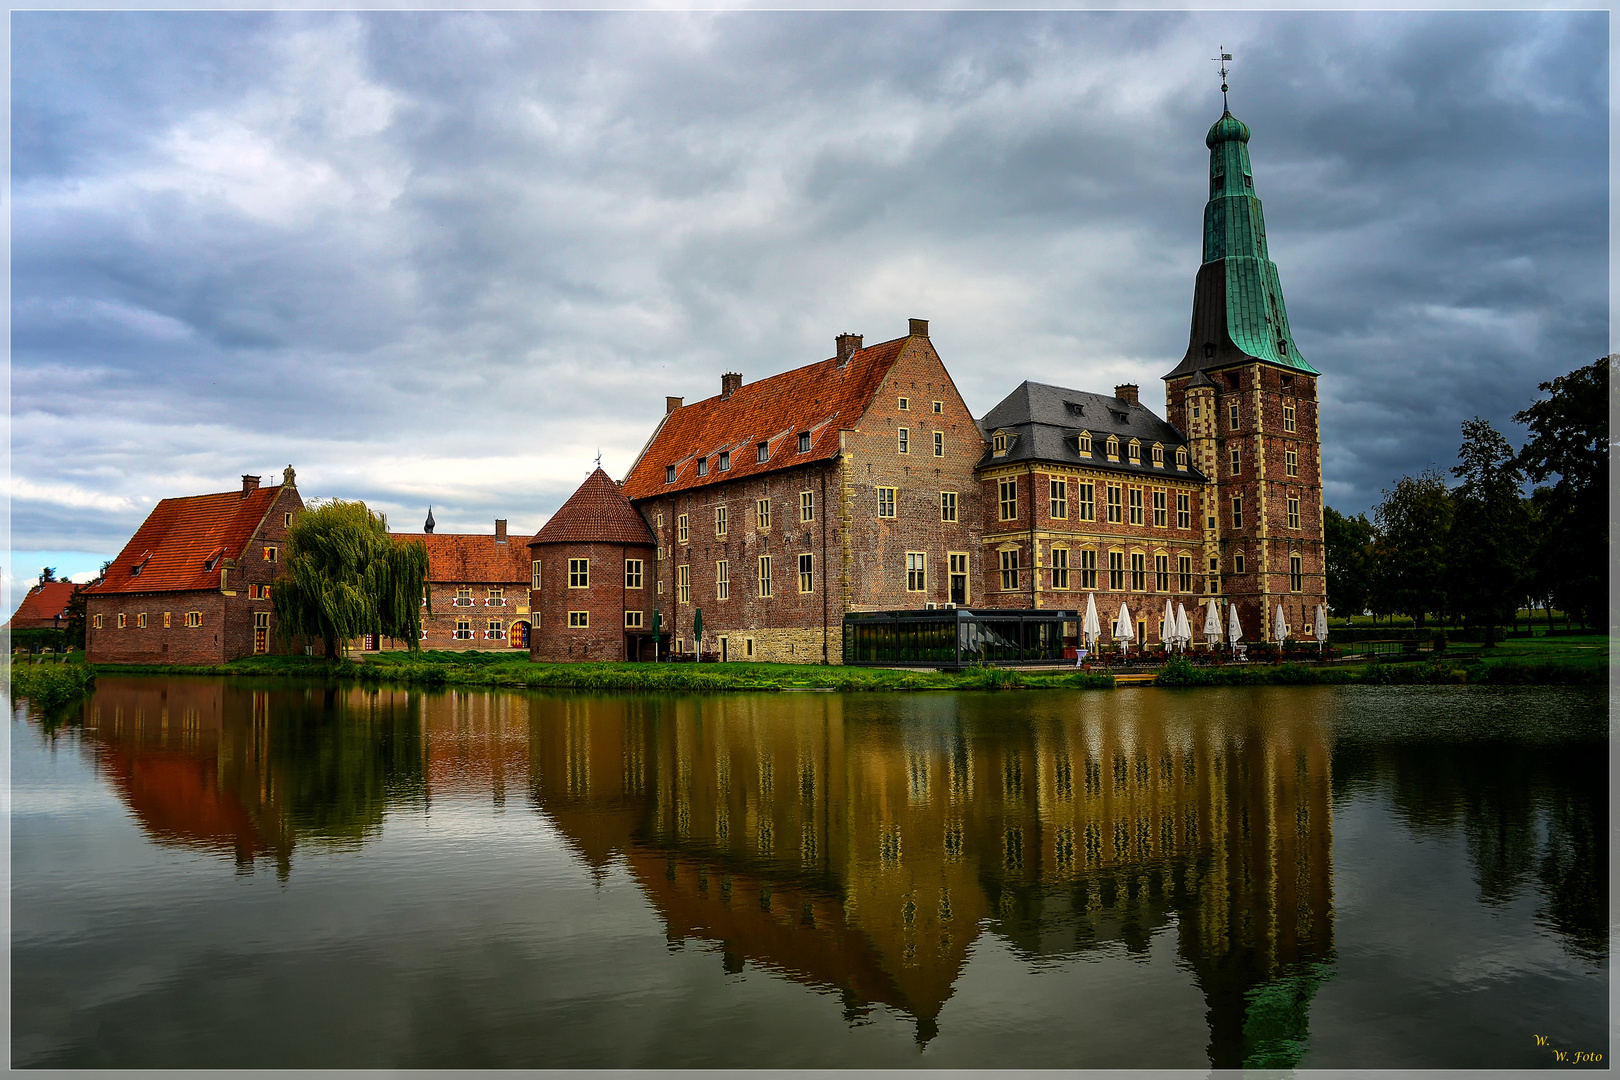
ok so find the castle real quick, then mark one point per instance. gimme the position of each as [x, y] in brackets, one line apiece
[863, 483]
[859, 483]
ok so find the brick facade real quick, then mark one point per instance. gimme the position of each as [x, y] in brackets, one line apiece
[479, 587]
[876, 537]
[235, 617]
[561, 602]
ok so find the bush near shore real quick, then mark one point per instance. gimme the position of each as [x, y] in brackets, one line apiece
[50, 685]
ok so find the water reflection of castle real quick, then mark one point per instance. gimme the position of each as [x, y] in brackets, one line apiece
[858, 848]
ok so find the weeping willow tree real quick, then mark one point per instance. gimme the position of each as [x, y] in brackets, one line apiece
[345, 576]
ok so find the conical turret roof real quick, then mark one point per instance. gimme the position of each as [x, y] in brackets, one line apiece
[596, 513]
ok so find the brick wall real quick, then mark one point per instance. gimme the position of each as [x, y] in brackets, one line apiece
[604, 601]
[510, 610]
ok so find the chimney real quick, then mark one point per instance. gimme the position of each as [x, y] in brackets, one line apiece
[250, 484]
[671, 404]
[500, 530]
[729, 383]
[919, 328]
[1127, 393]
[848, 346]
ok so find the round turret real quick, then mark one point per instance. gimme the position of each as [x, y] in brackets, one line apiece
[1227, 129]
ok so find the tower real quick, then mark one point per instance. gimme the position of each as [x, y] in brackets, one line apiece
[1247, 400]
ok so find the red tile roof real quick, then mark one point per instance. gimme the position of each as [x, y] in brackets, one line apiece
[470, 557]
[820, 398]
[596, 513]
[43, 604]
[180, 535]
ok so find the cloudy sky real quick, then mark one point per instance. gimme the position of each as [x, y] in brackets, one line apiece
[447, 258]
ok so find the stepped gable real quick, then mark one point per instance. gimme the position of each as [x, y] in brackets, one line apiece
[183, 543]
[597, 513]
[819, 398]
[469, 557]
[43, 604]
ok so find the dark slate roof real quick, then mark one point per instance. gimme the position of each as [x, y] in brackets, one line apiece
[597, 513]
[1043, 418]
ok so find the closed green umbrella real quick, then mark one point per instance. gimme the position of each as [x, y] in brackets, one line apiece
[658, 622]
[697, 633]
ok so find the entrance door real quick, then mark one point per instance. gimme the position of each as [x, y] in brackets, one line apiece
[261, 632]
[959, 572]
[723, 651]
[518, 636]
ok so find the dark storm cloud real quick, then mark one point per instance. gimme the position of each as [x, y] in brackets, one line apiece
[447, 257]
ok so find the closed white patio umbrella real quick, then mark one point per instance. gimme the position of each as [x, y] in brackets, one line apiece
[1183, 628]
[1234, 629]
[1091, 629]
[1212, 624]
[1321, 627]
[1167, 636]
[1279, 628]
[1123, 630]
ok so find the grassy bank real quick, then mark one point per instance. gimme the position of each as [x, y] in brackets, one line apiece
[501, 669]
[1439, 671]
[50, 685]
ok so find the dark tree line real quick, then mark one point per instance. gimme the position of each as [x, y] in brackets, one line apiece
[1479, 550]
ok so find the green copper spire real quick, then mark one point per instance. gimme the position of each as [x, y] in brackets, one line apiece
[1238, 310]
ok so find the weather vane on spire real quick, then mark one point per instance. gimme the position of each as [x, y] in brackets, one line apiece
[1225, 56]
[599, 457]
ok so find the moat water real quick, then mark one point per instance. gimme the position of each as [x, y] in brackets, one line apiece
[239, 874]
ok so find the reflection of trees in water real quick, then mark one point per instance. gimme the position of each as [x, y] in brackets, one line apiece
[1531, 816]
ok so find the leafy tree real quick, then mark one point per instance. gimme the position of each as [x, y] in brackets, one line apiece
[75, 608]
[1349, 561]
[1569, 439]
[1410, 554]
[47, 575]
[345, 576]
[1490, 529]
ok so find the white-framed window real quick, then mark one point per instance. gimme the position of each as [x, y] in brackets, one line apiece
[1116, 571]
[683, 584]
[579, 573]
[807, 573]
[1293, 511]
[1233, 415]
[1288, 417]
[765, 575]
[1138, 571]
[1158, 456]
[1237, 511]
[1161, 514]
[286, 519]
[1088, 568]
[464, 596]
[807, 506]
[916, 571]
[939, 407]
[633, 573]
[1237, 562]
[1291, 462]
[682, 529]
[1136, 505]
[1181, 458]
[703, 466]
[762, 513]
[719, 521]
[632, 620]
[1296, 575]
[534, 575]
[998, 443]
[905, 404]
[1086, 494]
[905, 440]
[939, 444]
[725, 461]
[95, 622]
[885, 502]
[1161, 573]
[722, 580]
[1060, 568]
[1060, 498]
[1116, 506]
[1083, 444]
[463, 630]
[947, 506]
[1237, 461]
[1113, 448]
[1183, 510]
[140, 621]
[1184, 572]
[579, 620]
[494, 631]
[762, 453]
[1135, 450]
[669, 474]
[804, 442]
[496, 597]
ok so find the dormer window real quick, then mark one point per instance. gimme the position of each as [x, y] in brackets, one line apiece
[804, 442]
[1113, 448]
[1181, 458]
[1083, 444]
[669, 474]
[1075, 408]
[1135, 449]
[762, 453]
[1158, 456]
[998, 443]
[213, 560]
[725, 461]
[703, 466]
